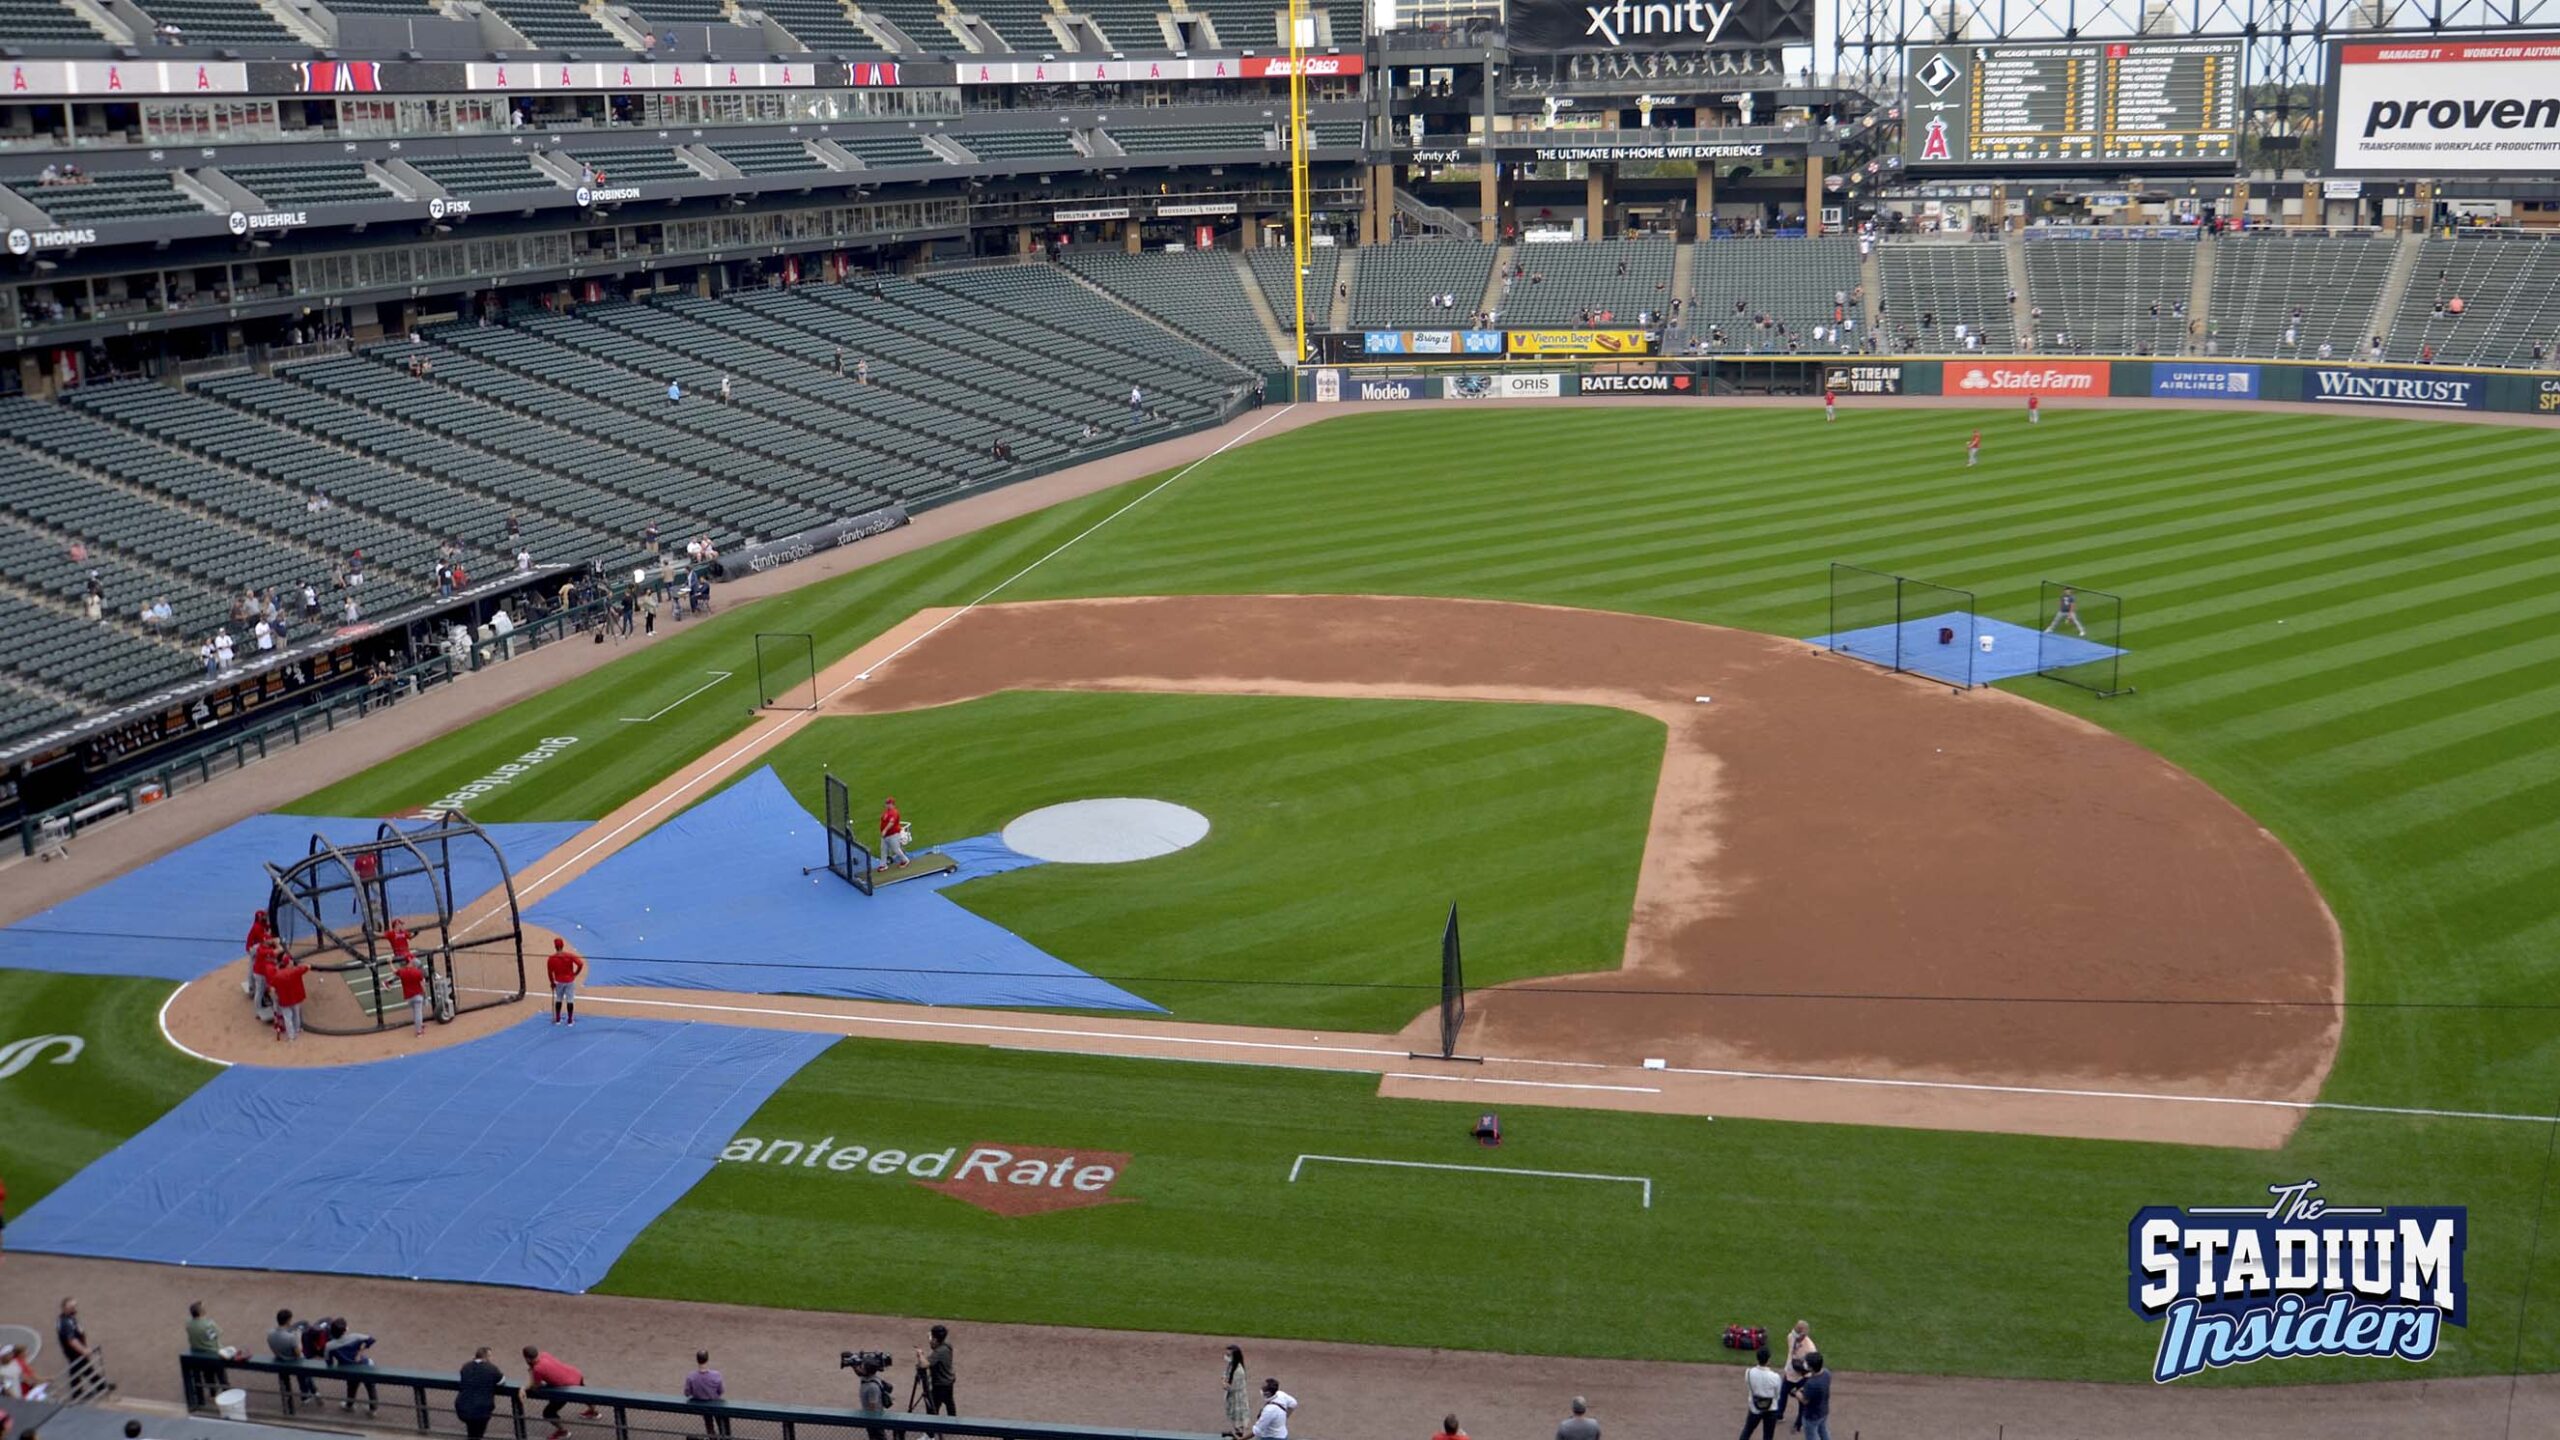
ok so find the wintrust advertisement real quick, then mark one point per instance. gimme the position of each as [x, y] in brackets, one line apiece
[2026, 377]
[2410, 389]
[2446, 107]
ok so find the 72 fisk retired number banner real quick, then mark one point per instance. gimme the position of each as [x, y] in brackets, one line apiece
[1631, 25]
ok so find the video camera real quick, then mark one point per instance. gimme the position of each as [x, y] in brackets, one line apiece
[877, 1361]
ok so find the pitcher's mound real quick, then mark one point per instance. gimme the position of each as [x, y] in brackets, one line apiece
[1106, 832]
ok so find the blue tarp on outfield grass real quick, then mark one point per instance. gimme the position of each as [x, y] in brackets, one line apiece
[714, 900]
[530, 1157]
[185, 913]
[2013, 648]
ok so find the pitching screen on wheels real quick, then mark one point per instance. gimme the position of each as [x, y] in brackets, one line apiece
[1863, 615]
[2083, 645]
[786, 671]
[1935, 632]
[1453, 987]
[847, 856]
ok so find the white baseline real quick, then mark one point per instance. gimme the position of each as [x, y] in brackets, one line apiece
[1642, 1180]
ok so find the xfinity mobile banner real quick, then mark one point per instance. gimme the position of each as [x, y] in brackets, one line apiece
[756, 559]
[1645, 28]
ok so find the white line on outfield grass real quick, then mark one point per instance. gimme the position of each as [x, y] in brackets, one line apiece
[1643, 1180]
[1054, 554]
[716, 677]
[1536, 1084]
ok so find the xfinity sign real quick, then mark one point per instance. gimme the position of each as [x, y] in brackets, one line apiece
[1612, 23]
[1657, 25]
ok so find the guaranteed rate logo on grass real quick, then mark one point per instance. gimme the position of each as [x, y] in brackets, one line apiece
[2296, 1278]
[1008, 1180]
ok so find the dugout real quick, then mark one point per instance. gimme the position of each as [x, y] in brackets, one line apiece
[332, 908]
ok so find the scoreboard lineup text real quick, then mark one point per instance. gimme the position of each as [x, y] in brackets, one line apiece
[2118, 103]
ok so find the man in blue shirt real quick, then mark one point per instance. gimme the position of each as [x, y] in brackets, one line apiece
[1813, 1399]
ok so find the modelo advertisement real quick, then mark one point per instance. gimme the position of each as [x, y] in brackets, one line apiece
[1332, 386]
[2404, 389]
[2446, 107]
[1639, 28]
[1502, 387]
[2192, 380]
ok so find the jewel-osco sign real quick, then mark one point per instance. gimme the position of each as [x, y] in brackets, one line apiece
[1008, 1180]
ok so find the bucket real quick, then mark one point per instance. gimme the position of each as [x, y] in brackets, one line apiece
[149, 793]
[232, 1404]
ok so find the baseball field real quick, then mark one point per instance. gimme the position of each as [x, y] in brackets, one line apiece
[2342, 633]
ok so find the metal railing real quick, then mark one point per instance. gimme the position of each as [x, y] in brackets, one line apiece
[420, 1402]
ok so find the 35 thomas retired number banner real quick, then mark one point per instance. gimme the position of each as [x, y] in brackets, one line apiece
[1634, 25]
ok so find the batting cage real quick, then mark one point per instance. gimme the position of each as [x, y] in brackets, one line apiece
[1453, 994]
[2081, 639]
[847, 856]
[334, 909]
[1903, 624]
[786, 671]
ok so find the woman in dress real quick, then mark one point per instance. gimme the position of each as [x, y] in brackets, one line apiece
[1239, 1393]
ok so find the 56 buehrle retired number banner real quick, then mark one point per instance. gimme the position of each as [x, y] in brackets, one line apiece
[1568, 25]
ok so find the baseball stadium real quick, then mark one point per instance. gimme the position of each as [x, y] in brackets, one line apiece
[722, 717]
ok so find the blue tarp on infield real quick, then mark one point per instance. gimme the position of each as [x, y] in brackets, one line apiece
[2013, 648]
[530, 1157]
[714, 900]
[186, 912]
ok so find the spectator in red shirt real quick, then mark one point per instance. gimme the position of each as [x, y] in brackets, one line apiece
[546, 1371]
[288, 982]
[413, 988]
[565, 965]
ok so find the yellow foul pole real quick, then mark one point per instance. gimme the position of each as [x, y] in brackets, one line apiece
[1298, 183]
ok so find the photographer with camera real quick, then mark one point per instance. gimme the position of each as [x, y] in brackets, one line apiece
[869, 1366]
[934, 1366]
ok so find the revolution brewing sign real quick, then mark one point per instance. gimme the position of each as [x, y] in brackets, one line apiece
[1638, 27]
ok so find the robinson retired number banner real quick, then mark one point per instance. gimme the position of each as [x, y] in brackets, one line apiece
[1632, 25]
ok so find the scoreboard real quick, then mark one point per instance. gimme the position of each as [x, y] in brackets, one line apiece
[2105, 104]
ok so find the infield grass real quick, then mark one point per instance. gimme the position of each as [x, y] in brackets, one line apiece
[2349, 626]
[1340, 833]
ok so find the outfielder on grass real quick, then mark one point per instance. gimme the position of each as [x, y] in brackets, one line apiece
[2067, 610]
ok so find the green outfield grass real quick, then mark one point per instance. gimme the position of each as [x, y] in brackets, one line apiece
[1880, 1236]
[2346, 625]
[1340, 833]
[57, 1117]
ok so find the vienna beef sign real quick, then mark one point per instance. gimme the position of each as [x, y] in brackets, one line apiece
[1007, 1180]
[1641, 27]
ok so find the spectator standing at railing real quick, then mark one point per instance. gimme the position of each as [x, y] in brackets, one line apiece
[352, 1350]
[203, 1336]
[475, 1399]
[705, 1387]
[80, 1373]
[285, 1343]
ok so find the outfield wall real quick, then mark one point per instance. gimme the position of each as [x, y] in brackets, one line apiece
[1991, 378]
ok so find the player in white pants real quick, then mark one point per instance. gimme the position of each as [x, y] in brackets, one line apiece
[2068, 609]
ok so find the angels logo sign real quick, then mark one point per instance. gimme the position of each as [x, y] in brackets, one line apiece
[1933, 146]
[326, 77]
[2300, 1277]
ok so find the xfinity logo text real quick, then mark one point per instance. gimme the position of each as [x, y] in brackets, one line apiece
[1687, 19]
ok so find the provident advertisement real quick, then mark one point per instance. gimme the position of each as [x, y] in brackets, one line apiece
[1502, 387]
[2411, 389]
[2446, 107]
[1581, 342]
[2193, 380]
[1862, 379]
[2026, 377]
[1653, 384]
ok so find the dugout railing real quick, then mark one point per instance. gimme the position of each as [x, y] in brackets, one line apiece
[420, 1402]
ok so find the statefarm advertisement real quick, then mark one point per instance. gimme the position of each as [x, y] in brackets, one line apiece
[2454, 107]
